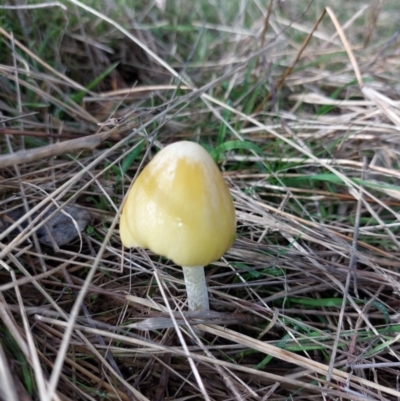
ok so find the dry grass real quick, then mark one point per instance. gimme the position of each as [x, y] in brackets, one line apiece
[301, 109]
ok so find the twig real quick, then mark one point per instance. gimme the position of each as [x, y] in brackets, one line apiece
[266, 23]
[45, 152]
[290, 68]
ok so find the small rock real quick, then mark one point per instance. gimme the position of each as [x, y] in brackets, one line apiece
[60, 230]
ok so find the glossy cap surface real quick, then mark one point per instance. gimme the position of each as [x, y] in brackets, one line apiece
[180, 207]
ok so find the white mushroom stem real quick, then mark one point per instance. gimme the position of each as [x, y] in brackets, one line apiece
[196, 288]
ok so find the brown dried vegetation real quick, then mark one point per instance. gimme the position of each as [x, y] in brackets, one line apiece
[299, 105]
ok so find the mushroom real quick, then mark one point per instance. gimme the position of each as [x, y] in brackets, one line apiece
[180, 207]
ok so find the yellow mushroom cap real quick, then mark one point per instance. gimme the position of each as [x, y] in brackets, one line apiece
[180, 207]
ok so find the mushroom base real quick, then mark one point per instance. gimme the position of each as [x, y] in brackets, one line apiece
[196, 288]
